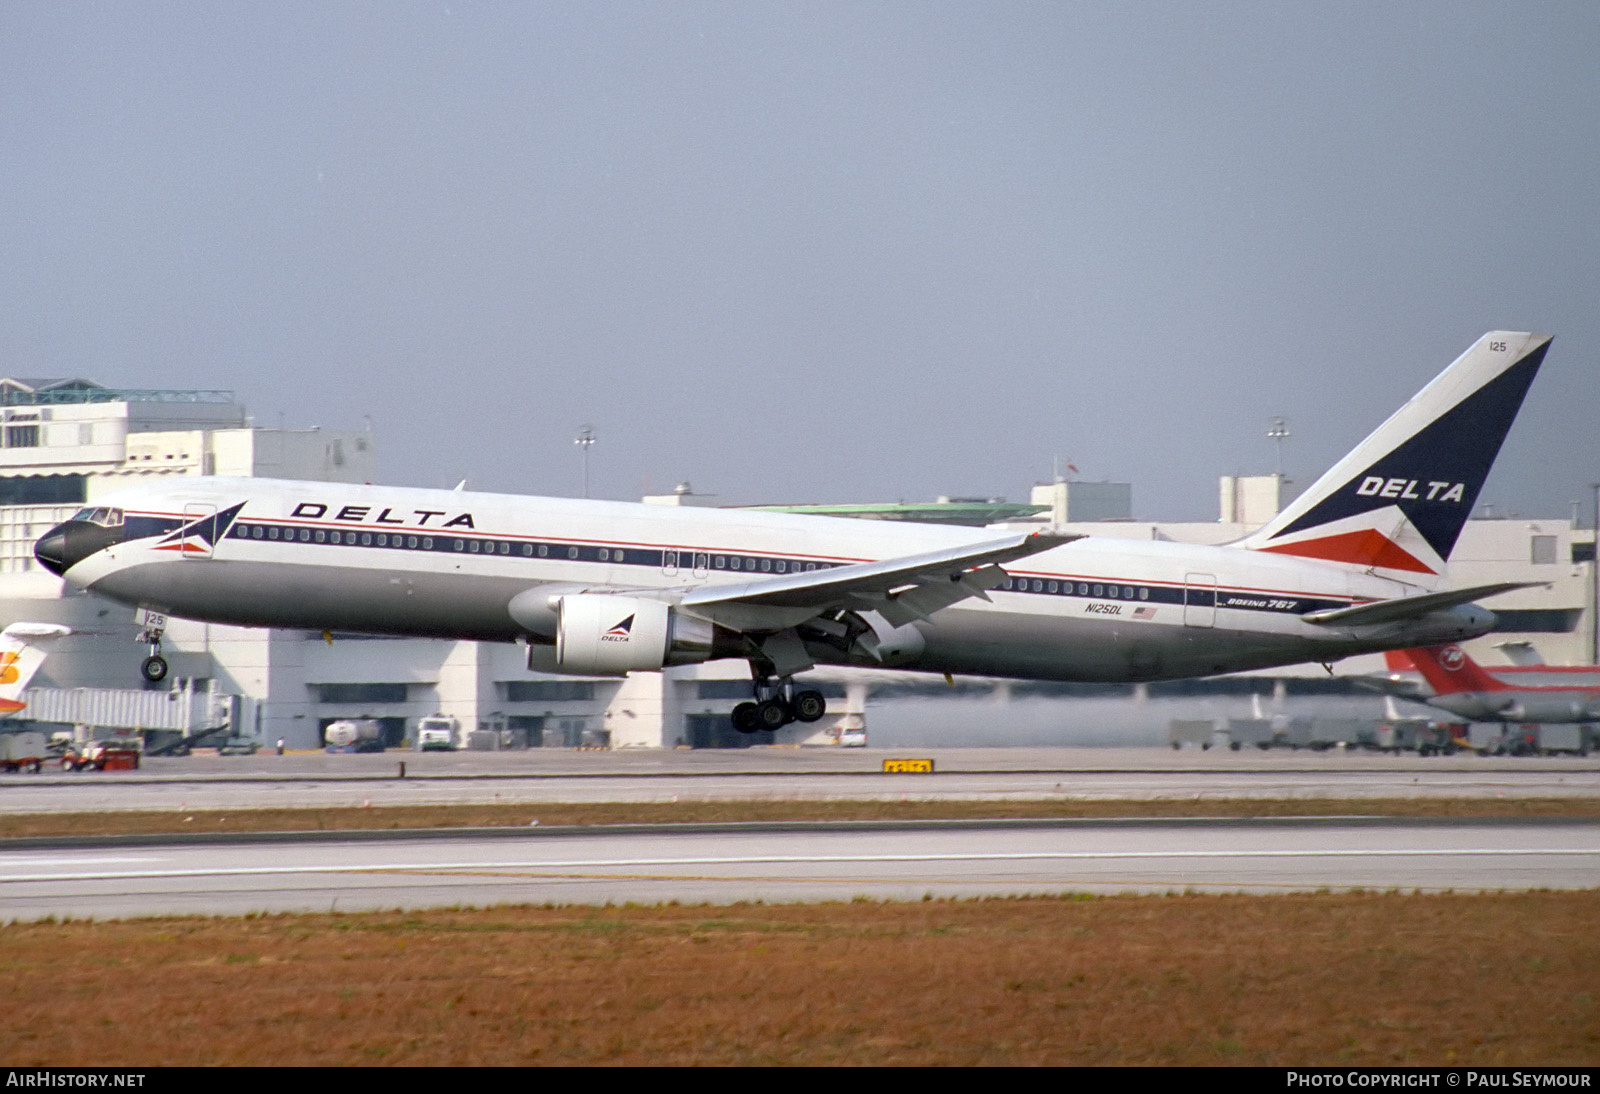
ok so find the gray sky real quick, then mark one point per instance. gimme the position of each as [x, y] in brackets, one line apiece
[813, 251]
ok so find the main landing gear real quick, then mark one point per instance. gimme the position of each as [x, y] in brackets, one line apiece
[777, 704]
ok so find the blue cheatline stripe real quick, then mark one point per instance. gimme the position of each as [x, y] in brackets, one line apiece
[653, 558]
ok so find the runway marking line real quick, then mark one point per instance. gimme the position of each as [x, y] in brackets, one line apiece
[736, 860]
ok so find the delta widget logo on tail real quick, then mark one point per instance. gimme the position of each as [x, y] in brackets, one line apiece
[1399, 500]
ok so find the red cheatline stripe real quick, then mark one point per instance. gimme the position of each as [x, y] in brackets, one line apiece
[1368, 547]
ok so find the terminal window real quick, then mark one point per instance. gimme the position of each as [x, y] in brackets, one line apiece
[43, 490]
[361, 693]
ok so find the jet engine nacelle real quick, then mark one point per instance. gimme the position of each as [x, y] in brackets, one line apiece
[605, 635]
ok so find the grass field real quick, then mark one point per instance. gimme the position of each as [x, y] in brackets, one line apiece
[1326, 978]
[1336, 979]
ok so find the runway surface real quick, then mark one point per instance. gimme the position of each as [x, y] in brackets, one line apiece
[722, 864]
[206, 781]
[719, 864]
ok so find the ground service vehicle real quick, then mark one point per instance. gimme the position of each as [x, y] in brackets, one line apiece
[354, 735]
[436, 733]
[25, 750]
[110, 754]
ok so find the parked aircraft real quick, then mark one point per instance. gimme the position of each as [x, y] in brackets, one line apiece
[23, 648]
[1355, 565]
[1469, 691]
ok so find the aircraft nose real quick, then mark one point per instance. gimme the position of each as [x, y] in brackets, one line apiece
[69, 543]
[51, 550]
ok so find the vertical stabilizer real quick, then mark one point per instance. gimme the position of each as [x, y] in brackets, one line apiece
[1397, 503]
[23, 647]
[1450, 671]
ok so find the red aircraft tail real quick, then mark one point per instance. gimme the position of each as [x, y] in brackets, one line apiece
[1447, 669]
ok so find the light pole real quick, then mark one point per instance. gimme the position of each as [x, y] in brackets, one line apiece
[585, 441]
[1279, 432]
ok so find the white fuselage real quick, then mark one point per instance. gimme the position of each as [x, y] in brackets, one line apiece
[448, 563]
[1548, 705]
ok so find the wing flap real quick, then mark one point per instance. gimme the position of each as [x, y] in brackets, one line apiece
[902, 589]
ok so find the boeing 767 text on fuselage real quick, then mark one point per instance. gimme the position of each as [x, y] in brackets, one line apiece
[1355, 565]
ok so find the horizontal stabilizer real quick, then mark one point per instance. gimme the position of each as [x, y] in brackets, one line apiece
[1410, 607]
[33, 632]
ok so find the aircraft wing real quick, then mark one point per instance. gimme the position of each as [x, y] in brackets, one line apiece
[1410, 607]
[901, 589]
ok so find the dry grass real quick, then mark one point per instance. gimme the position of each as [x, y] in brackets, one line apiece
[468, 816]
[1336, 979]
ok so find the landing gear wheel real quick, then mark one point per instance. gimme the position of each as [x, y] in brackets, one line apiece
[809, 706]
[746, 719]
[772, 714]
[154, 668]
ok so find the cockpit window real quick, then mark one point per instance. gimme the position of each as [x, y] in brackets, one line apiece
[103, 516]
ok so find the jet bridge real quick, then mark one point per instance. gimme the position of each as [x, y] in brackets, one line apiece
[189, 712]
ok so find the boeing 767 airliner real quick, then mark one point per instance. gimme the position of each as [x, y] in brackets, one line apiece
[1354, 565]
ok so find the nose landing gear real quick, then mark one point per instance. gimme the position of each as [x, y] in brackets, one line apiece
[777, 704]
[154, 667]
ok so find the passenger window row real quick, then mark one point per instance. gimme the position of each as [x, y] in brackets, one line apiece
[632, 556]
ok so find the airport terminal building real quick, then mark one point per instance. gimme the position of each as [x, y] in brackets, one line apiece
[67, 442]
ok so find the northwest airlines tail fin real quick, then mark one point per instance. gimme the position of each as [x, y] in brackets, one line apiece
[1397, 503]
[22, 650]
[1449, 670]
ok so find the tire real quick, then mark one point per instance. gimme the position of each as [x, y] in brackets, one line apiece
[745, 718]
[809, 706]
[154, 668]
[772, 715]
